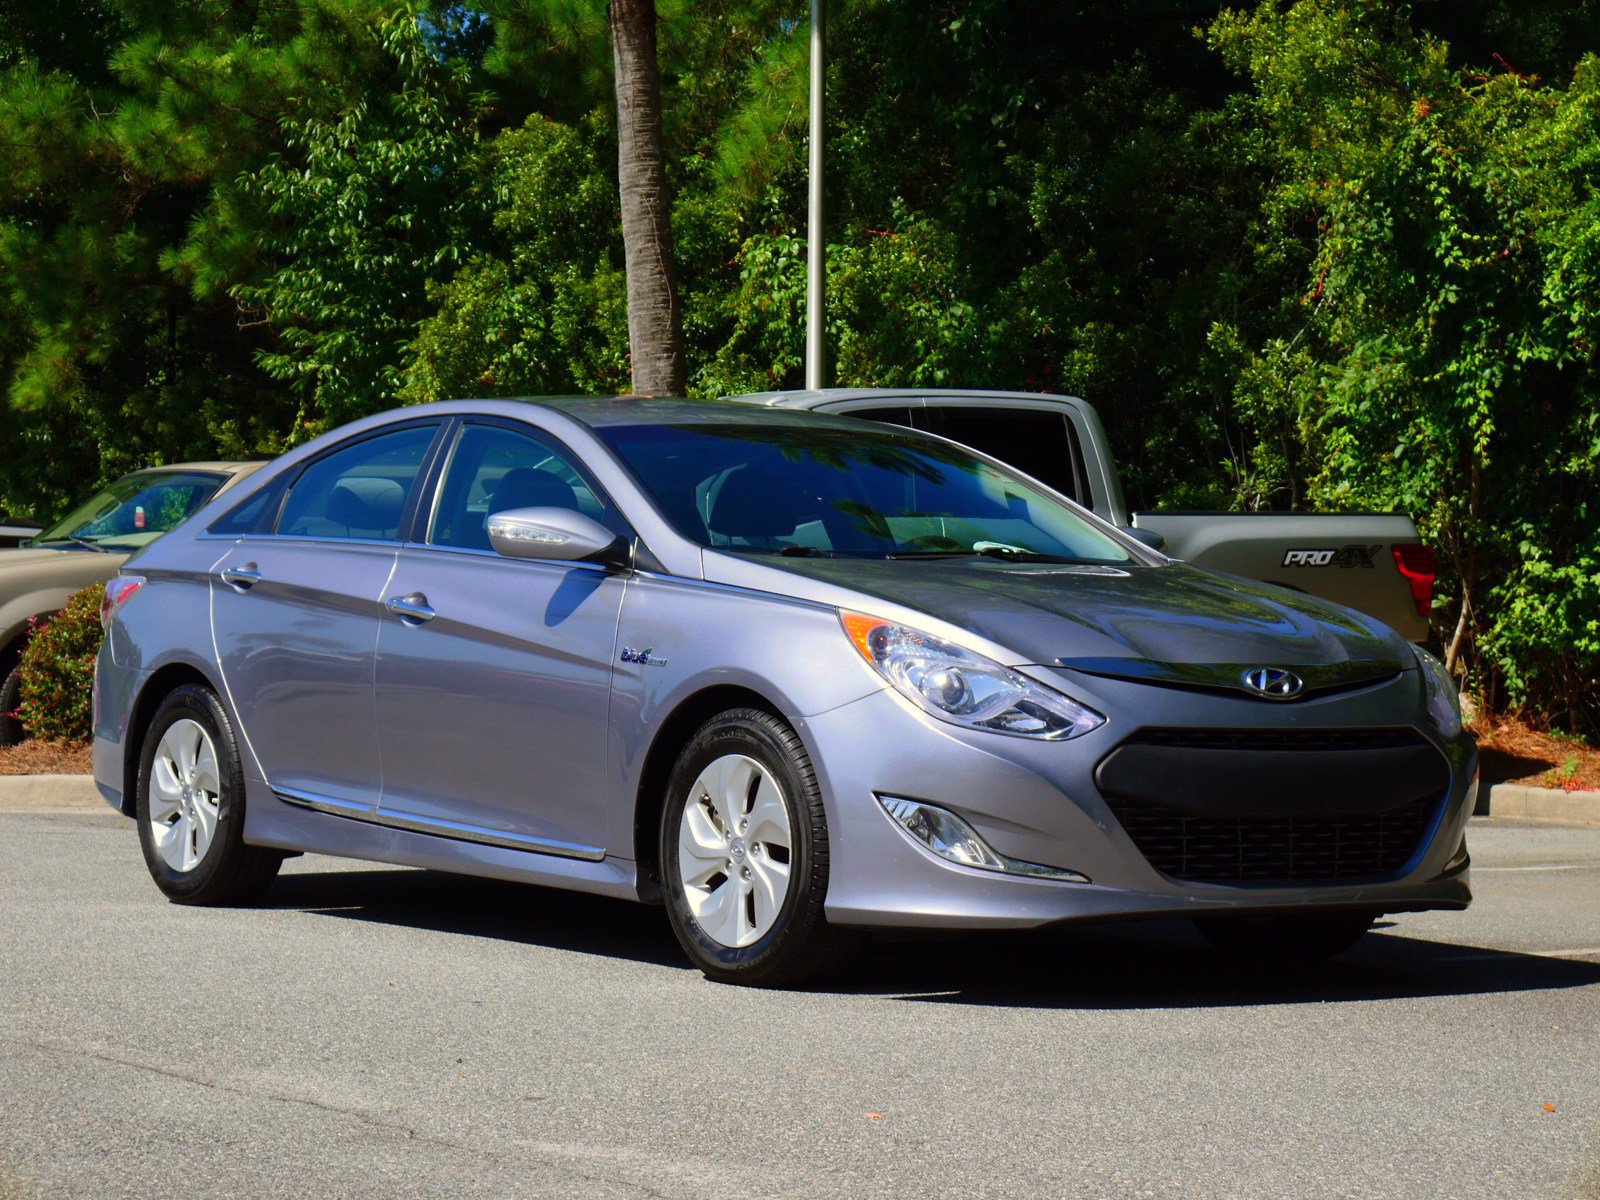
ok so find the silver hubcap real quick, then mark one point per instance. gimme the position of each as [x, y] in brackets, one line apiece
[185, 792]
[734, 850]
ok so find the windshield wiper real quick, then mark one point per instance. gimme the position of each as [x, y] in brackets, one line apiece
[1007, 553]
[85, 543]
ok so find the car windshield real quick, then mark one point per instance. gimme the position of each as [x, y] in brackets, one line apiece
[839, 489]
[133, 511]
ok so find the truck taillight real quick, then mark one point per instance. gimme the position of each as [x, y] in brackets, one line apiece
[1416, 563]
[118, 592]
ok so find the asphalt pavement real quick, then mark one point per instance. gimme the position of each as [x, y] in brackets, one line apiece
[370, 1031]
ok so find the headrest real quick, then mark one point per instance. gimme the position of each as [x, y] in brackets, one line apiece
[371, 504]
[759, 503]
[527, 487]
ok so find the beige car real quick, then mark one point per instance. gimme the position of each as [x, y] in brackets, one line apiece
[87, 546]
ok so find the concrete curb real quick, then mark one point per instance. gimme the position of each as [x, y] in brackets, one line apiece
[33, 793]
[1519, 802]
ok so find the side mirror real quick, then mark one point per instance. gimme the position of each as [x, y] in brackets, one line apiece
[1148, 536]
[554, 534]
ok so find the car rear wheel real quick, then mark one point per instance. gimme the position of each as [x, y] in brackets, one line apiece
[744, 854]
[11, 730]
[1308, 938]
[190, 805]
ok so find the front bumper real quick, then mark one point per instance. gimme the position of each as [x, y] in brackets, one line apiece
[1039, 802]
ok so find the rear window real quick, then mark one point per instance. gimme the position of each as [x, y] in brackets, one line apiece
[358, 491]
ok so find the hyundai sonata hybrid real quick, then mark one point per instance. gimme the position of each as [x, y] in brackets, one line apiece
[792, 676]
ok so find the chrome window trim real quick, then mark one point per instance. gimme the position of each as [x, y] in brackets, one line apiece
[304, 539]
[422, 532]
[451, 830]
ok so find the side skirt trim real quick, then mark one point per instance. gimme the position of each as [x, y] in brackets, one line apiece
[454, 830]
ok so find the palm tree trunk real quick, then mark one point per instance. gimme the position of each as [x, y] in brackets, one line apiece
[655, 313]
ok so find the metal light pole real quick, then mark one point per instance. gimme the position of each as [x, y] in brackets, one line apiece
[817, 258]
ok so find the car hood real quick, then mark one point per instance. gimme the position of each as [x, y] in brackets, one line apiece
[1174, 624]
[22, 556]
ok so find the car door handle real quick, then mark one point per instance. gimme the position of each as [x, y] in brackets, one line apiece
[240, 579]
[412, 607]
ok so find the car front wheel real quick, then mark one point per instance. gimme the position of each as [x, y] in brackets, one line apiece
[190, 805]
[744, 854]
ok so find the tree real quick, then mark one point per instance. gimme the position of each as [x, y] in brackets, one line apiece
[655, 311]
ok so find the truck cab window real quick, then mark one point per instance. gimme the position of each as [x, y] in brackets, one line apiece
[889, 416]
[1042, 444]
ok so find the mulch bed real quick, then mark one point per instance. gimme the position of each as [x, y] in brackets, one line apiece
[1512, 751]
[36, 757]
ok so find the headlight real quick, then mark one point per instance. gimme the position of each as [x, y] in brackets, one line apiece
[1444, 698]
[968, 689]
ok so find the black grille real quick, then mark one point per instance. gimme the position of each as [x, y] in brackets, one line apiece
[1276, 849]
[1230, 806]
[1279, 739]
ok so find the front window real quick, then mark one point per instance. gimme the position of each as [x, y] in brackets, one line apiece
[133, 511]
[492, 470]
[820, 487]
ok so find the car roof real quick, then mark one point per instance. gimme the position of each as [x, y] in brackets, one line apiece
[812, 397]
[225, 468]
[599, 412]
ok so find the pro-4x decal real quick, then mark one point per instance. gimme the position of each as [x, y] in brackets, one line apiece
[1345, 556]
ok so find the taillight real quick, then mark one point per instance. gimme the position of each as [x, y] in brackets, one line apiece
[1416, 563]
[118, 592]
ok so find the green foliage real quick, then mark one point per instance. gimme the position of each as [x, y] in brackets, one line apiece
[57, 671]
[543, 309]
[366, 206]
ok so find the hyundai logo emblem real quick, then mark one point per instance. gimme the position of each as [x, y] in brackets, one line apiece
[1274, 683]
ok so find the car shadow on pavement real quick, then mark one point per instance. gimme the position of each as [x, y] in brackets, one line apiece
[484, 908]
[1112, 965]
[1166, 964]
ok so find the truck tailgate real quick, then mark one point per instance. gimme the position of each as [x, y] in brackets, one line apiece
[1344, 557]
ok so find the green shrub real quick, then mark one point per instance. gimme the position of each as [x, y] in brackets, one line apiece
[57, 672]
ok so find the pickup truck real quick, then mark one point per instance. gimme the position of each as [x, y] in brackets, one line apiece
[1372, 562]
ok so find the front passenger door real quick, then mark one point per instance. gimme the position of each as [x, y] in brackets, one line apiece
[494, 674]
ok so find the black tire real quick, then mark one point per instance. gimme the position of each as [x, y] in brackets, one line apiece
[801, 946]
[1309, 938]
[229, 872]
[11, 730]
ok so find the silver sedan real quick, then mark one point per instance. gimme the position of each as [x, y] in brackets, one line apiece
[792, 676]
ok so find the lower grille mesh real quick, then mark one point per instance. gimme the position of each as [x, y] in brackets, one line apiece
[1276, 849]
[1185, 842]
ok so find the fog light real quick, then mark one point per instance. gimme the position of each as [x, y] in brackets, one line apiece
[948, 836]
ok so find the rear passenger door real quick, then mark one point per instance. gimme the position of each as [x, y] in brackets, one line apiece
[295, 607]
